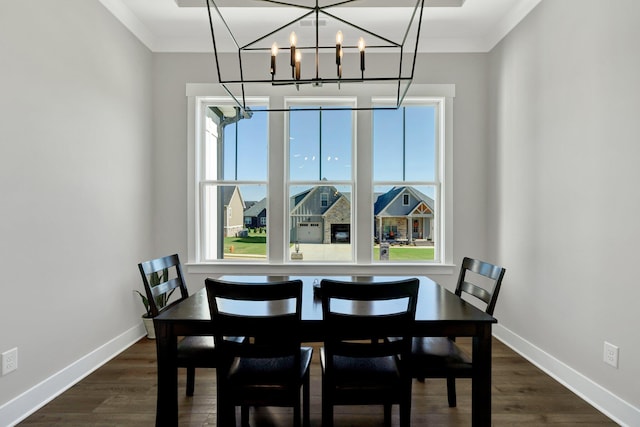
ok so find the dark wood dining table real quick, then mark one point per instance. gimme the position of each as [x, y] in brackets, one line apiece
[439, 313]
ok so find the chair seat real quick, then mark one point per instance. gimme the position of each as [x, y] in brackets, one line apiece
[438, 352]
[268, 372]
[441, 348]
[200, 351]
[363, 373]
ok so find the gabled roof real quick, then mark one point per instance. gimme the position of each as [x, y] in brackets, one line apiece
[227, 194]
[299, 199]
[385, 200]
[256, 208]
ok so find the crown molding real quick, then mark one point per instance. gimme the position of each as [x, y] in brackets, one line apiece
[508, 23]
[131, 22]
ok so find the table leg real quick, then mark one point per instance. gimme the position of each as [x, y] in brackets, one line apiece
[481, 381]
[167, 401]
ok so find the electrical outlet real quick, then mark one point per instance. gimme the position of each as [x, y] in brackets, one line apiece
[9, 361]
[611, 354]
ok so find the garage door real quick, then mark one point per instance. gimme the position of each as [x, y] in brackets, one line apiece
[309, 232]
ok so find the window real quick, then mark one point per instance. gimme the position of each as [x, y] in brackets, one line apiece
[320, 180]
[233, 176]
[339, 182]
[406, 187]
[324, 200]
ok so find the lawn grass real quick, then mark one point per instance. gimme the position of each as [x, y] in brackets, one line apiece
[254, 244]
[406, 253]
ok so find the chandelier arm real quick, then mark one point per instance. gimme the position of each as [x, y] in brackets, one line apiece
[340, 3]
[420, 5]
[317, 10]
[413, 66]
[324, 108]
[213, 39]
[235, 99]
[224, 21]
[404, 93]
[395, 44]
[284, 3]
[244, 102]
[400, 75]
[285, 82]
[282, 27]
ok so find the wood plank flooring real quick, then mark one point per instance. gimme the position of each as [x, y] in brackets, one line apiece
[123, 393]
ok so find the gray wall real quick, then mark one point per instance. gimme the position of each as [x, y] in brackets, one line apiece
[564, 142]
[75, 181]
[469, 72]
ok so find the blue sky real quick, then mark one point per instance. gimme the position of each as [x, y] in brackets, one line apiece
[332, 159]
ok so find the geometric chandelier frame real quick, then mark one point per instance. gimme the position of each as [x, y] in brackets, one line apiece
[299, 51]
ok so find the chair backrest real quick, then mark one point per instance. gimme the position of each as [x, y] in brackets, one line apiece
[161, 277]
[266, 314]
[488, 293]
[359, 317]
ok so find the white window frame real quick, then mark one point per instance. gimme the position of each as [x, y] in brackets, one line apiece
[324, 200]
[444, 215]
[362, 221]
[342, 101]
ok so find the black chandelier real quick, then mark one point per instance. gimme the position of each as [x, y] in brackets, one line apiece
[305, 42]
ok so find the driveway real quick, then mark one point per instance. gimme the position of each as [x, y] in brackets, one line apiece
[325, 251]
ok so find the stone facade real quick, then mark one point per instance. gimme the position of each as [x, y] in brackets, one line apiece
[340, 213]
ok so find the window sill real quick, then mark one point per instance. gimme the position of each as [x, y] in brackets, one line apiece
[307, 269]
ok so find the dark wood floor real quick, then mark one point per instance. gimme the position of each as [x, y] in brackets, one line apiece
[123, 393]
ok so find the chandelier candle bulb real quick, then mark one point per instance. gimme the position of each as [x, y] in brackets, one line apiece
[298, 60]
[338, 47]
[361, 47]
[274, 52]
[292, 41]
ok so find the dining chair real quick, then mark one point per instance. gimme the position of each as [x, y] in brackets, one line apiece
[193, 351]
[271, 366]
[441, 357]
[359, 366]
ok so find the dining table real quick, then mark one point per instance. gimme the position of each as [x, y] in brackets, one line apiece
[439, 313]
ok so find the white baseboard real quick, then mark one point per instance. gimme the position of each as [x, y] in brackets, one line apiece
[39, 395]
[603, 400]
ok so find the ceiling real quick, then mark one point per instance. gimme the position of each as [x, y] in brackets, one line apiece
[447, 26]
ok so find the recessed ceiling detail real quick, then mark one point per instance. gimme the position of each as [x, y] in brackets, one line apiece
[449, 25]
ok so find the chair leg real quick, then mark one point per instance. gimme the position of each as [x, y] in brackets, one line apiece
[244, 416]
[296, 413]
[405, 410]
[327, 406]
[191, 379]
[387, 414]
[451, 391]
[227, 412]
[306, 401]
